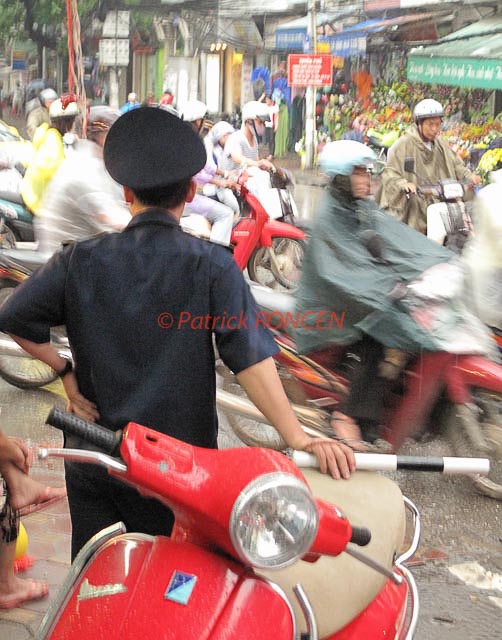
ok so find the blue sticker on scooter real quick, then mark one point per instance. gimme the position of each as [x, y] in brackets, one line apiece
[180, 587]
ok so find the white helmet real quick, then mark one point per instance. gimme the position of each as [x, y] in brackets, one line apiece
[47, 94]
[193, 110]
[255, 109]
[427, 108]
[64, 107]
[221, 129]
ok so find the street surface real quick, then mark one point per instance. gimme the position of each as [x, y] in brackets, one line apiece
[458, 568]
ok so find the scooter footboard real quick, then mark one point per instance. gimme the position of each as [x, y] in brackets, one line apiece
[340, 588]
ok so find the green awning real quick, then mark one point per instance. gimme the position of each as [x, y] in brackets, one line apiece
[471, 57]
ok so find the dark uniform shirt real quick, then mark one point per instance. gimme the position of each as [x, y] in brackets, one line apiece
[141, 308]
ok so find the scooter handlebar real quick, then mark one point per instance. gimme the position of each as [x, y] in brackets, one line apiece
[101, 437]
[360, 536]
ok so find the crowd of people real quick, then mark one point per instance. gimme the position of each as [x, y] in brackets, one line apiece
[120, 280]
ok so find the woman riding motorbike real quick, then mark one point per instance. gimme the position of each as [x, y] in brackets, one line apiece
[224, 187]
[360, 263]
[218, 214]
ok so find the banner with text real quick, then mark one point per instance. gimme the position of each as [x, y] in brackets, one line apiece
[312, 70]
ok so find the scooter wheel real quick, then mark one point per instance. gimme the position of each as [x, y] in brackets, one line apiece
[476, 430]
[19, 371]
[279, 264]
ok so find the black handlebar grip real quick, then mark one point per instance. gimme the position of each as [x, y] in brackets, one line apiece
[101, 437]
[360, 536]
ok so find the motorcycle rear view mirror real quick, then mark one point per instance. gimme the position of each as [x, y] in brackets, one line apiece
[409, 165]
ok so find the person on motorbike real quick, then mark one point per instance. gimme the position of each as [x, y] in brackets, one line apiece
[223, 187]
[241, 149]
[217, 213]
[142, 308]
[434, 161]
[82, 199]
[51, 143]
[40, 114]
[358, 257]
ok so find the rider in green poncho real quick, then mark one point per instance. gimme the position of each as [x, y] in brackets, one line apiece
[358, 263]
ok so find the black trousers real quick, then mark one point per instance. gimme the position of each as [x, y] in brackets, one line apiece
[97, 501]
[366, 400]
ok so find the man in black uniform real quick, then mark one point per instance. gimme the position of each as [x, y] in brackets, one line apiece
[141, 308]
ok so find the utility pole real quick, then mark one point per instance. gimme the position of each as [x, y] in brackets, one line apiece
[310, 115]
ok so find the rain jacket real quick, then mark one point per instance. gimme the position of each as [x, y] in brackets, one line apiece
[430, 166]
[48, 155]
[483, 256]
[344, 291]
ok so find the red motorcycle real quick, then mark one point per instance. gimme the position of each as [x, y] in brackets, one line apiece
[251, 555]
[270, 248]
[462, 393]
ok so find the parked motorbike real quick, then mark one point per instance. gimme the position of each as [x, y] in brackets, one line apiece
[460, 393]
[255, 552]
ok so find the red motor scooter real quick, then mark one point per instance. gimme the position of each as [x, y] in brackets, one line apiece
[248, 534]
[464, 392]
[272, 250]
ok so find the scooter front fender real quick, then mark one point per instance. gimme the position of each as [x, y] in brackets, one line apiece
[278, 229]
[137, 586]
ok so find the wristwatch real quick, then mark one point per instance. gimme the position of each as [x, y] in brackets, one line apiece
[66, 369]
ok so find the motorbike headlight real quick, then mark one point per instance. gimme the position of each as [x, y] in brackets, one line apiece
[274, 521]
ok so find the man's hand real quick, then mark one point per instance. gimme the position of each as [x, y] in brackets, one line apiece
[335, 457]
[476, 180]
[266, 165]
[77, 403]
[410, 187]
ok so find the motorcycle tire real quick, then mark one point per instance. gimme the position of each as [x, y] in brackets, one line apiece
[285, 269]
[255, 433]
[24, 373]
[477, 431]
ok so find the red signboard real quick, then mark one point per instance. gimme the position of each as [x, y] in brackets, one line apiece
[310, 70]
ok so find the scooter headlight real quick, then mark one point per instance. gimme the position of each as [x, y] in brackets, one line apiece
[274, 521]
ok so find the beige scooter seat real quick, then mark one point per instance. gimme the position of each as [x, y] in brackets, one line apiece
[339, 588]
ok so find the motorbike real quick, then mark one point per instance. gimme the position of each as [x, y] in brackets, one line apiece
[16, 220]
[271, 249]
[449, 220]
[460, 393]
[258, 549]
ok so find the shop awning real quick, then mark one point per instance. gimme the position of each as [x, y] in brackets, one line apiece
[292, 35]
[352, 40]
[470, 57]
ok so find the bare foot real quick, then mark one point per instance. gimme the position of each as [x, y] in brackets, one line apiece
[19, 590]
[24, 491]
[347, 430]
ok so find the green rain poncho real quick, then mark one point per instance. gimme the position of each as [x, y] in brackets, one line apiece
[340, 275]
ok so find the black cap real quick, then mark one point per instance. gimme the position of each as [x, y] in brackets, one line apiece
[147, 148]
